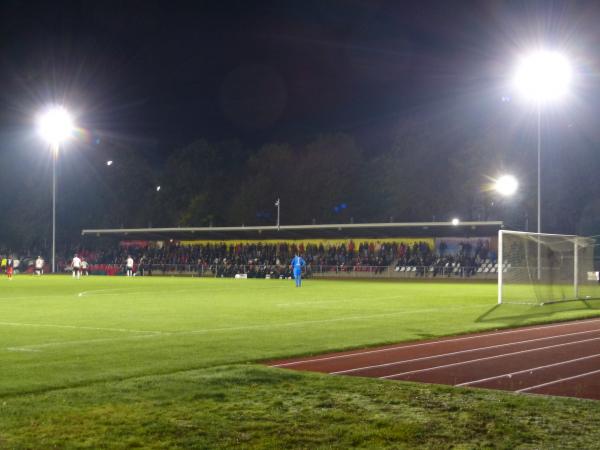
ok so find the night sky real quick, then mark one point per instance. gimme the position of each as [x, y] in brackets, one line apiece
[157, 76]
[170, 72]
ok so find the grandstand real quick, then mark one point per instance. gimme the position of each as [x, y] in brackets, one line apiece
[374, 250]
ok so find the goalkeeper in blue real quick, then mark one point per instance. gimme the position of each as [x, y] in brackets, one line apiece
[296, 265]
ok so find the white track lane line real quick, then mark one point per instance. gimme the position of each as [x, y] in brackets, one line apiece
[424, 344]
[488, 358]
[459, 352]
[574, 377]
[530, 370]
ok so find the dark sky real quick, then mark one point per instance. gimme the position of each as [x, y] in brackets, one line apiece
[165, 73]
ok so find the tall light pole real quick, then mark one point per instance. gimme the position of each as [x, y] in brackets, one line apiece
[55, 125]
[542, 77]
[278, 204]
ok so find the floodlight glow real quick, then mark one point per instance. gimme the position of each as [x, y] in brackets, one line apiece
[55, 125]
[543, 76]
[506, 185]
[109, 163]
[157, 188]
[455, 221]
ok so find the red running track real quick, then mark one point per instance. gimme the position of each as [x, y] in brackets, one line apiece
[557, 359]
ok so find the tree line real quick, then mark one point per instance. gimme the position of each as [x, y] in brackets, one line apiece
[331, 178]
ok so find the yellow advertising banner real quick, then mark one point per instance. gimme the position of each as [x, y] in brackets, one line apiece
[325, 242]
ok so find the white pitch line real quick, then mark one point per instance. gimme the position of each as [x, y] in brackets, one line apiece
[322, 302]
[560, 380]
[459, 352]
[424, 344]
[487, 358]
[95, 291]
[344, 300]
[202, 331]
[188, 332]
[311, 322]
[530, 370]
[75, 327]
[175, 333]
[22, 349]
[38, 347]
[119, 292]
[136, 290]
[30, 297]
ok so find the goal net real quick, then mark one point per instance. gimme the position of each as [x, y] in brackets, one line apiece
[536, 268]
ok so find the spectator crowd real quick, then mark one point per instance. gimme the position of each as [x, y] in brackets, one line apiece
[271, 260]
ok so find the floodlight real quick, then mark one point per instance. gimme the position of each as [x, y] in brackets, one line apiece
[109, 163]
[55, 125]
[506, 185]
[455, 221]
[157, 188]
[543, 76]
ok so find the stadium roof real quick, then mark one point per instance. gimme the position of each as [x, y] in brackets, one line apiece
[323, 231]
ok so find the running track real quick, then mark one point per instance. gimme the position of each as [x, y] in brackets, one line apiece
[557, 359]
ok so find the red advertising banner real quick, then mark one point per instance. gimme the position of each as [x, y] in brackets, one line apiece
[134, 244]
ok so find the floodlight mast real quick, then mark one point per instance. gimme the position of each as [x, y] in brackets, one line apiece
[539, 188]
[55, 125]
[278, 205]
[542, 77]
[54, 158]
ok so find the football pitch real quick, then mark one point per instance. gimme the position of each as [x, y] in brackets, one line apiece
[116, 362]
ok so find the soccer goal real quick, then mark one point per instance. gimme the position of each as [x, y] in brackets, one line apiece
[537, 268]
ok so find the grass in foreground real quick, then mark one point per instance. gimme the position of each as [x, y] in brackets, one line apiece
[116, 362]
[257, 407]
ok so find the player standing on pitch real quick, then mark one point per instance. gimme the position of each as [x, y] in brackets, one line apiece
[129, 266]
[39, 266]
[76, 266]
[10, 262]
[84, 268]
[296, 265]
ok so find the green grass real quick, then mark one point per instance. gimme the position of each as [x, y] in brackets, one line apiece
[107, 362]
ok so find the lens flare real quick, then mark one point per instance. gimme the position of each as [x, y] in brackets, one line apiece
[55, 125]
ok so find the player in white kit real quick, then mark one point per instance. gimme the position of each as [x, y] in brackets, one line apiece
[39, 266]
[129, 266]
[76, 266]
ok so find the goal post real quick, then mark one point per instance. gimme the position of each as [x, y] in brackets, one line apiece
[538, 268]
